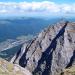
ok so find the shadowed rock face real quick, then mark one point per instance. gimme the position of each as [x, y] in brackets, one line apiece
[50, 52]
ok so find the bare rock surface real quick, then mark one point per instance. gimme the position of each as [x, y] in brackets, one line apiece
[50, 52]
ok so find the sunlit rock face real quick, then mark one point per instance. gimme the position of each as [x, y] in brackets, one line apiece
[50, 52]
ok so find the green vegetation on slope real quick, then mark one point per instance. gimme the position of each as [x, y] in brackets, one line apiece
[7, 68]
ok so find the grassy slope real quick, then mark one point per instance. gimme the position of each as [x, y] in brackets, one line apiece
[7, 68]
[69, 71]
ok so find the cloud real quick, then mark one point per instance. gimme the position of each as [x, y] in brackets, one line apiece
[44, 8]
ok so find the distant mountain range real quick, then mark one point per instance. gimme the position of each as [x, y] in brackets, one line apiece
[12, 28]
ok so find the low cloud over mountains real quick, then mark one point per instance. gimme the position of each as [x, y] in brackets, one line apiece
[36, 8]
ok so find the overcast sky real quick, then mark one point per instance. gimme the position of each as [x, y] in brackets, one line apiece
[47, 8]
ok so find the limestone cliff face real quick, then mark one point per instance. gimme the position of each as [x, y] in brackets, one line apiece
[50, 52]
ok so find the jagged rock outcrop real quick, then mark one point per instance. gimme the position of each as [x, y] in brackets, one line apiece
[7, 68]
[50, 52]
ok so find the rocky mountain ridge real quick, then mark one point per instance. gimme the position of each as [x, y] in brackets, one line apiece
[50, 52]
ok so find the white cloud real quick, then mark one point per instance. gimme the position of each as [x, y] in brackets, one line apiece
[45, 7]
